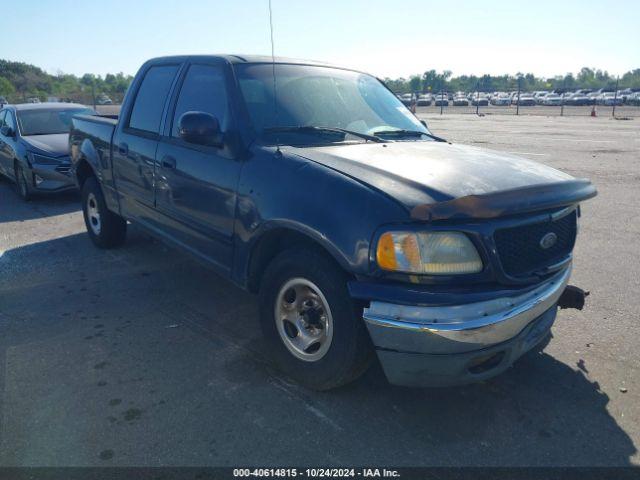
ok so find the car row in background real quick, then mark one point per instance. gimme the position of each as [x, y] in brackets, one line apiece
[579, 97]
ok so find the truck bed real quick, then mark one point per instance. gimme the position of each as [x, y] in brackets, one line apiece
[90, 139]
[96, 129]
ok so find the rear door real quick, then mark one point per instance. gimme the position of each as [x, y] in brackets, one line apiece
[136, 141]
[195, 184]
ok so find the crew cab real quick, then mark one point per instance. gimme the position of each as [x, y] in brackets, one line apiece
[361, 231]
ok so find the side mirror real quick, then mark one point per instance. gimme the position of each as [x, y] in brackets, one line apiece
[200, 128]
[7, 131]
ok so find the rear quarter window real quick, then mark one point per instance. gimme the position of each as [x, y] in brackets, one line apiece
[146, 113]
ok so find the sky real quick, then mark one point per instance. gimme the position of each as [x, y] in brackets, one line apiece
[385, 38]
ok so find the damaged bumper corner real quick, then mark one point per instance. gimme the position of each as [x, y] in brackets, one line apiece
[458, 344]
[52, 178]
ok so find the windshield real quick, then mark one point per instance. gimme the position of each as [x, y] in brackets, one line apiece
[47, 122]
[320, 97]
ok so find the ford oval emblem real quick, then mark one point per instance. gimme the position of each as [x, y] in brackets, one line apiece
[548, 240]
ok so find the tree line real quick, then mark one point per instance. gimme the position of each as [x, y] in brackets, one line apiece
[21, 81]
[432, 81]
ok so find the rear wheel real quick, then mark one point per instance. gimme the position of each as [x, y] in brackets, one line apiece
[22, 187]
[105, 228]
[313, 327]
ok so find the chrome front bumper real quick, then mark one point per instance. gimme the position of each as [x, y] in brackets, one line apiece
[460, 332]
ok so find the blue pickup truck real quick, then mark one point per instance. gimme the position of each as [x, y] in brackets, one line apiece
[362, 232]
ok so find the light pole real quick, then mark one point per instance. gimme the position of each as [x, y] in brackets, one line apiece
[615, 98]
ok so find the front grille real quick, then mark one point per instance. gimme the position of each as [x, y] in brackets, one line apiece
[519, 247]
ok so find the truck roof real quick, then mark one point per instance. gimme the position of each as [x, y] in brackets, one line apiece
[238, 59]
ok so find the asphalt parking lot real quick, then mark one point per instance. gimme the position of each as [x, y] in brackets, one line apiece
[140, 356]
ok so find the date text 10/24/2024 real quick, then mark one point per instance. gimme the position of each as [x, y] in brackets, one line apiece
[316, 472]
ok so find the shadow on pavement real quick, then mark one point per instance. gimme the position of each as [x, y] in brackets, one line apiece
[541, 412]
[13, 208]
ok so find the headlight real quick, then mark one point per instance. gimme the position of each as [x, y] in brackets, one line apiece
[431, 253]
[42, 160]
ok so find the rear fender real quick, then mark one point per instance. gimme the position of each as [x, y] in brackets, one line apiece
[99, 163]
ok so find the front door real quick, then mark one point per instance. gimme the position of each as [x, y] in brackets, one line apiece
[195, 184]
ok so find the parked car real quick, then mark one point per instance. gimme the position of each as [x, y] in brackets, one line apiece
[460, 101]
[577, 99]
[552, 99]
[634, 99]
[447, 261]
[33, 100]
[406, 99]
[501, 99]
[539, 97]
[424, 100]
[593, 97]
[609, 99]
[3, 101]
[479, 100]
[627, 94]
[34, 148]
[441, 99]
[104, 100]
[526, 100]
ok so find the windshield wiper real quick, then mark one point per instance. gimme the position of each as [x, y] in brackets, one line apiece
[409, 133]
[315, 129]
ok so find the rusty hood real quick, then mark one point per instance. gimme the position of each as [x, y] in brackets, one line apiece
[439, 180]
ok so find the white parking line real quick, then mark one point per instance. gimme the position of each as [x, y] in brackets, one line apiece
[564, 139]
[529, 153]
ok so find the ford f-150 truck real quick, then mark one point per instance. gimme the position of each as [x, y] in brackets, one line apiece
[362, 232]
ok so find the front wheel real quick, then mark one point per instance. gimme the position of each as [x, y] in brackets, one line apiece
[105, 228]
[310, 322]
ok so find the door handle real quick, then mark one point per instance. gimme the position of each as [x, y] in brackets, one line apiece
[168, 162]
[123, 149]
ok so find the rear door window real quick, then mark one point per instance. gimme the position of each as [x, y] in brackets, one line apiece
[146, 113]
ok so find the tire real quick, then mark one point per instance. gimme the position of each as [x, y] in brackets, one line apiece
[22, 186]
[105, 228]
[344, 349]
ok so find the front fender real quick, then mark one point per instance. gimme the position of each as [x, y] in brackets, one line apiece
[304, 230]
[337, 212]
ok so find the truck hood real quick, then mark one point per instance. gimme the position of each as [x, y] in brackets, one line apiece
[54, 145]
[423, 174]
